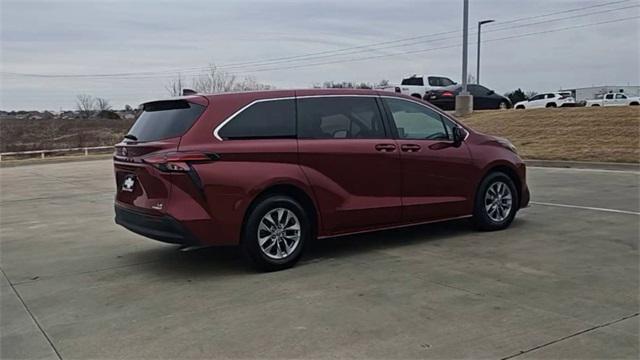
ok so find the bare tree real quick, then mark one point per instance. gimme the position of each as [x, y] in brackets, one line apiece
[175, 86]
[343, 85]
[529, 94]
[102, 104]
[250, 83]
[218, 81]
[214, 81]
[86, 105]
[383, 83]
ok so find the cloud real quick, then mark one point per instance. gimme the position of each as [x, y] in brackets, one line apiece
[91, 37]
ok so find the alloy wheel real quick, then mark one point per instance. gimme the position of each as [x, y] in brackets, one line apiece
[498, 201]
[279, 233]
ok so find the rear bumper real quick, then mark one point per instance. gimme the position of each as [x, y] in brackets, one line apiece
[161, 228]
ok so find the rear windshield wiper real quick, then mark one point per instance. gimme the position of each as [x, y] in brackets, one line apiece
[131, 137]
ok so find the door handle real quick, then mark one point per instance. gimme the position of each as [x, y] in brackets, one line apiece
[410, 147]
[385, 147]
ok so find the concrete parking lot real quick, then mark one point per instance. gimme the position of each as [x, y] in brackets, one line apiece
[562, 282]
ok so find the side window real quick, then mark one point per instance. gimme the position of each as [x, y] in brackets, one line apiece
[349, 117]
[609, 96]
[478, 90]
[263, 120]
[551, 96]
[537, 97]
[621, 96]
[440, 81]
[415, 121]
[413, 81]
[449, 125]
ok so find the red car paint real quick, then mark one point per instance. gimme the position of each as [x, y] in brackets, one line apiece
[353, 185]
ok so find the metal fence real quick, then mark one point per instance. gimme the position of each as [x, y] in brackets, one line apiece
[43, 153]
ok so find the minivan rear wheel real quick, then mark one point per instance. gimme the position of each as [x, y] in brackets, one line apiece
[275, 233]
[496, 202]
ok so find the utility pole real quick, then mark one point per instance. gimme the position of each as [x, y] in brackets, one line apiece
[464, 101]
[465, 45]
[480, 23]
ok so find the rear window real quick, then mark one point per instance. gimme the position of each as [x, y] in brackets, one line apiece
[413, 81]
[269, 119]
[440, 81]
[165, 119]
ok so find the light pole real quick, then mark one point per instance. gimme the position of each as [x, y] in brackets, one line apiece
[480, 23]
[464, 101]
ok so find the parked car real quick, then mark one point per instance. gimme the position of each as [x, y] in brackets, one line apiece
[269, 171]
[548, 100]
[614, 99]
[483, 98]
[415, 85]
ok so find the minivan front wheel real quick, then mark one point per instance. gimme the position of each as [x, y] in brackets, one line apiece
[496, 202]
[275, 233]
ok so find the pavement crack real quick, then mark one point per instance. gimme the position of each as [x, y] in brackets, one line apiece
[44, 333]
[569, 336]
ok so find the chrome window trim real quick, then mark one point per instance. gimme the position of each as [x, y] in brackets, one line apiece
[232, 116]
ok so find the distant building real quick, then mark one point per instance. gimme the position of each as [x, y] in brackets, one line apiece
[589, 93]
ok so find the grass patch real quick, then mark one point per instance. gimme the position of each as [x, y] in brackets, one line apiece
[609, 134]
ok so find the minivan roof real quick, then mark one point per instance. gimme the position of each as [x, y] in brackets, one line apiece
[204, 98]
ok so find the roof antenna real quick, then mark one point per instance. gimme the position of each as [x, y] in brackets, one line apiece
[186, 92]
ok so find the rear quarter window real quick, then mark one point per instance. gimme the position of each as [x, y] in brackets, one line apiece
[165, 119]
[268, 119]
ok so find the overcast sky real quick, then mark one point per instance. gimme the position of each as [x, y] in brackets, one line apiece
[163, 38]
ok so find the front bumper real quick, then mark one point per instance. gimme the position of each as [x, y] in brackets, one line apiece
[162, 228]
[525, 196]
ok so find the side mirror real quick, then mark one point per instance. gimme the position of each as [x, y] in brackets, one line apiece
[491, 92]
[458, 135]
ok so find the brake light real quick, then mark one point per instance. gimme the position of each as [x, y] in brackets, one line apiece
[447, 94]
[178, 161]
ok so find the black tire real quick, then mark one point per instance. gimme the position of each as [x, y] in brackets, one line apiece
[634, 104]
[520, 107]
[551, 105]
[417, 96]
[481, 217]
[595, 105]
[249, 243]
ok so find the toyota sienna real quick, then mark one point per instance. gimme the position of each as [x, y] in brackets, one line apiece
[272, 170]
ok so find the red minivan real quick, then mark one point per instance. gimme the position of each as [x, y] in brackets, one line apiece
[272, 170]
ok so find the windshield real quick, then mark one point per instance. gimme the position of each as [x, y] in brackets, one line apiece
[165, 119]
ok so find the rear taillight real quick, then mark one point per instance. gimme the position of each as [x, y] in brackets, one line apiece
[447, 94]
[178, 161]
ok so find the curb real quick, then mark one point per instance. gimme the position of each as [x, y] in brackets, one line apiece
[583, 165]
[53, 160]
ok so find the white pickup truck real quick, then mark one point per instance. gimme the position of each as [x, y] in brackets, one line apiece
[614, 99]
[416, 86]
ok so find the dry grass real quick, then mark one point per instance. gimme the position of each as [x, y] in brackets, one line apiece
[579, 134]
[23, 135]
